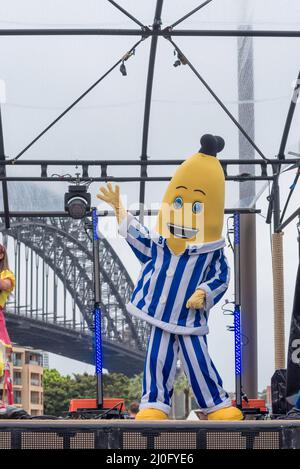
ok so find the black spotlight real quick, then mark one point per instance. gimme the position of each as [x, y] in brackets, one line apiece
[77, 201]
[123, 69]
[177, 63]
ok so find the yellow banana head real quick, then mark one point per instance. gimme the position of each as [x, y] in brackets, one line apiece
[192, 209]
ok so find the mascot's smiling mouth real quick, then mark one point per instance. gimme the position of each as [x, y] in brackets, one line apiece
[182, 231]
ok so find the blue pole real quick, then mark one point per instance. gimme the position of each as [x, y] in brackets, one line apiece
[97, 312]
[237, 312]
[98, 340]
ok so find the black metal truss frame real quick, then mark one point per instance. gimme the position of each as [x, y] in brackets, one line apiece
[268, 169]
[154, 32]
[147, 32]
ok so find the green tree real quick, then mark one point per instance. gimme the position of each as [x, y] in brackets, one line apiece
[135, 388]
[84, 386]
[59, 390]
[116, 385]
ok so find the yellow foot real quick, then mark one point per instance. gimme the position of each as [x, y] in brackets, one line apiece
[151, 414]
[227, 413]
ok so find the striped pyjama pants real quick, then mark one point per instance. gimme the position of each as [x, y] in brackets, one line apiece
[164, 349]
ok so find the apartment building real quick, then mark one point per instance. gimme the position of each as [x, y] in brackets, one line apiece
[27, 377]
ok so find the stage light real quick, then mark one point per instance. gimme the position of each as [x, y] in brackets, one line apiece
[181, 60]
[123, 69]
[77, 201]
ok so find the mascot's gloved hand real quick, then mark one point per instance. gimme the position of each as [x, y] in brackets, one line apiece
[112, 197]
[197, 300]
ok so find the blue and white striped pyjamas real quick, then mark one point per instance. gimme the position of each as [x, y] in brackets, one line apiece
[163, 351]
[165, 284]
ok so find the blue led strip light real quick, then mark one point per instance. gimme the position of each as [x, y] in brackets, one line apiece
[97, 311]
[236, 218]
[237, 311]
[237, 341]
[95, 224]
[98, 340]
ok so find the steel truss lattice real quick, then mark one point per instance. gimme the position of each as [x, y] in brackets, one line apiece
[66, 248]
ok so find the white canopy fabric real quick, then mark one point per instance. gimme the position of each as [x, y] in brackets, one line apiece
[44, 74]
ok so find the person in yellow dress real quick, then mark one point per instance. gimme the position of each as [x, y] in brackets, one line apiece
[7, 284]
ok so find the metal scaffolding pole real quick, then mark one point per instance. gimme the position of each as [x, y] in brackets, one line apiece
[148, 101]
[147, 32]
[247, 221]
[277, 239]
[278, 281]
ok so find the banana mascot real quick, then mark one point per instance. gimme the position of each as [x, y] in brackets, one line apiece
[184, 273]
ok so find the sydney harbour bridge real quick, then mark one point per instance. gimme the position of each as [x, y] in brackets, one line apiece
[52, 306]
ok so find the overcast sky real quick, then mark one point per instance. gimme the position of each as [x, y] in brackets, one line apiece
[43, 75]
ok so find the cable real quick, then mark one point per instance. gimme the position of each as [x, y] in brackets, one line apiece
[186, 61]
[76, 102]
[190, 13]
[228, 232]
[292, 188]
[230, 312]
[226, 308]
[270, 225]
[127, 14]
[138, 101]
[86, 226]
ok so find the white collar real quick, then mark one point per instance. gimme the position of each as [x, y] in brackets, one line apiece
[200, 248]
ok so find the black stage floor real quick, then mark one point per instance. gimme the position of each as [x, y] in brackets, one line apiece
[126, 434]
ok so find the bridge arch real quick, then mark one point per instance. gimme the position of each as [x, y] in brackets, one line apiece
[65, 247]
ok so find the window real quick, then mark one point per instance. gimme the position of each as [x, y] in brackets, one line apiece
[18, 397]
[35, 379]
[17, 359]
[34, 397]
[35, 359]
[35, 413]
[17, 378]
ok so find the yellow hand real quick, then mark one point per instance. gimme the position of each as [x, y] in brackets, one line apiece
[196, 301]
[112, 196]
[109, 195]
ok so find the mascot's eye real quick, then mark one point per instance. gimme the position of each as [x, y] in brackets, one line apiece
[178, 202]
[197, 207]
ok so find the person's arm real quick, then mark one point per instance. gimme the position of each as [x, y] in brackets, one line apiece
[7, 282]
[215, 284]
[5, 285]
[137, 235]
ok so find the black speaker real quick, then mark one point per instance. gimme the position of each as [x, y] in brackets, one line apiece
[280, 406]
